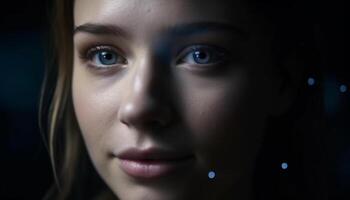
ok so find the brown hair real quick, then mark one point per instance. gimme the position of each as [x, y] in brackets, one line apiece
[57, 119]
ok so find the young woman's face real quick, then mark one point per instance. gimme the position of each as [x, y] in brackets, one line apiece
[167, 91]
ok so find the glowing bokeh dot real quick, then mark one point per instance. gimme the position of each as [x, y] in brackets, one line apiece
[311, 81]
[211, 174]
[284, 165]
[343, 88]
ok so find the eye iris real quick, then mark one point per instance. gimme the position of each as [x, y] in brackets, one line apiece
[107, 58]
[201, 57]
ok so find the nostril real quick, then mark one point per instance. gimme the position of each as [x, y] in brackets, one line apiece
[146, 123]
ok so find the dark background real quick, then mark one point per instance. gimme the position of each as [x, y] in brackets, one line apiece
[25, 171]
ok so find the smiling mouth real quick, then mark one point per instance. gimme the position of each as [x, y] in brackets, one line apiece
[153, 163]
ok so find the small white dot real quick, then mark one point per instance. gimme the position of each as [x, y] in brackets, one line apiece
[311, 81]
[211, 174]
[343, 88]
[284, 165]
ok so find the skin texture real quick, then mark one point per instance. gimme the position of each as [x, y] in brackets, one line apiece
[217, 112]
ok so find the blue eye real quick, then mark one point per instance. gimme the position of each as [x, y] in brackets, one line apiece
[104, 57]
[203, 55]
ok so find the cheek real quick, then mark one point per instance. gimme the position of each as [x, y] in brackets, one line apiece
[225, 117]
[95, 106]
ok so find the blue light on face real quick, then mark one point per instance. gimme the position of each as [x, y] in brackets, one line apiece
[343, 88]
[284, 165]
[211, 174]
[311, 81]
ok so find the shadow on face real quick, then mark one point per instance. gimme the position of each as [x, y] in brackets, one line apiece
[167, 91]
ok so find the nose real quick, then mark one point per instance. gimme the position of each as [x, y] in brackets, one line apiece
[146, 105]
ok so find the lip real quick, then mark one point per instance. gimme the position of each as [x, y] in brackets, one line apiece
[153, 162]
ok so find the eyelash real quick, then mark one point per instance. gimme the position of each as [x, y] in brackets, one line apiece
[89, 54]
[215, 53]
[187, 53]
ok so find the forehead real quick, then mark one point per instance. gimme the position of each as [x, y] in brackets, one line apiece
[158, 13]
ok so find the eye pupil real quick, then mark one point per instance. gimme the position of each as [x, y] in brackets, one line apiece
[107, 58]
[201, 57]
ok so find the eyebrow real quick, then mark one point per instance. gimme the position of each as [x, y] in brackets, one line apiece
[176, 30]
[203, 27]
[100, 29]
